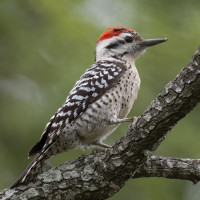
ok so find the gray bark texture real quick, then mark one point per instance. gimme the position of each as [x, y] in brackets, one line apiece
[101, 175]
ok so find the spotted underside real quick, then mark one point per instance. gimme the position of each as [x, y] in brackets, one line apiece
[98, 79]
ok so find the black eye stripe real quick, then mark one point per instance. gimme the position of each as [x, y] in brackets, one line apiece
[114, 45]
[121, 42]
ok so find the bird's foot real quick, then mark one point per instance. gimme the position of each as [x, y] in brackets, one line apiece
[132, 126]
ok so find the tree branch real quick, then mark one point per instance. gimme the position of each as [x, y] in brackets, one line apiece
[101, 175]
[173, 168]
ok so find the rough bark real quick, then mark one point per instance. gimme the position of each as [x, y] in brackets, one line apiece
[173, 168]
[101, 175]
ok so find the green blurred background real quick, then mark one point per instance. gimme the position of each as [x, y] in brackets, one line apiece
[46, 45]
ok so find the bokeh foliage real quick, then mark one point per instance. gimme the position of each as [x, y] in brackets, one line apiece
[46, 45]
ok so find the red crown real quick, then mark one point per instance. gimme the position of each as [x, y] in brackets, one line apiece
[114, 31]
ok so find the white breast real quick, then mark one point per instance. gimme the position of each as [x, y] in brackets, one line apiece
[115, 103]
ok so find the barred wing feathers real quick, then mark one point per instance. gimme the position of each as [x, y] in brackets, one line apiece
[97, 79]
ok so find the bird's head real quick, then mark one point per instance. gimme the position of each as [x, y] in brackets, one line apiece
[122, 43]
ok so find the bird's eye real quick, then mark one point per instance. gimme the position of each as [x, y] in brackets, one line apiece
[128, 39]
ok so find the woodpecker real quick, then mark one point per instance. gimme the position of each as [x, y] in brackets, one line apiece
[98, 102]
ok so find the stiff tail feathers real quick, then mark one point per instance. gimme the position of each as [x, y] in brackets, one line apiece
[32, 167]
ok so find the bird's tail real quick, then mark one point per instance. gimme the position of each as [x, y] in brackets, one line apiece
[29, 172]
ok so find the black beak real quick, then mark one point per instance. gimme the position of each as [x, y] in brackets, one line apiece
[152, 42]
